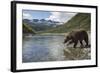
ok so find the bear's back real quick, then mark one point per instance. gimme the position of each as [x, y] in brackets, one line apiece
[79, 34]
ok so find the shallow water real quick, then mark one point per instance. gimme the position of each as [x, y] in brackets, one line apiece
[50, 48]
[43, 48]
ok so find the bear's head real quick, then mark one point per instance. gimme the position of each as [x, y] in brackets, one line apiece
[67, 39]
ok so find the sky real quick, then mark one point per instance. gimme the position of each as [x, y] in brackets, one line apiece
[48, 15]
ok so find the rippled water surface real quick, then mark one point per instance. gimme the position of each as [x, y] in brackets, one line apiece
[51, 48]
[43, 48]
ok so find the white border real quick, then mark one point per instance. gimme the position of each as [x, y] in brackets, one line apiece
[37, 65]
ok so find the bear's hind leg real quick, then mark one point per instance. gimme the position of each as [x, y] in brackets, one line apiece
[86, 41]
[81, 44]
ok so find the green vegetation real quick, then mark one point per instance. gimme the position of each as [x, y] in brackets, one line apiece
[28, 30]
[80, 21]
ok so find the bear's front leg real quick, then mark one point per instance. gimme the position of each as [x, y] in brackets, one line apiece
[75, 43]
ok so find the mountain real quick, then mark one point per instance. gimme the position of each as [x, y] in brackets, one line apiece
[79, 21]
[42, 24]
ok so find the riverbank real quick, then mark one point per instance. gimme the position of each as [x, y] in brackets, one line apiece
[46, 34]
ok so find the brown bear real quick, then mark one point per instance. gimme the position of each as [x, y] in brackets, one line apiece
[75, 36]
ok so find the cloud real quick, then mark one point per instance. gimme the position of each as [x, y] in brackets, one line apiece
[61, 16]
[27, 16]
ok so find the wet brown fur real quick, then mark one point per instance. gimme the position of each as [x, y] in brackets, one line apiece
[77, 36]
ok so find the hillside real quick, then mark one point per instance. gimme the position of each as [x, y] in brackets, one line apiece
[80, 21]
[28, 30]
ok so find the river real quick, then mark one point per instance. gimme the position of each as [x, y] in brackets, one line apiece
[50, 48]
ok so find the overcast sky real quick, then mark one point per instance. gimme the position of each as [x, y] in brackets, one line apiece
[48, 15]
